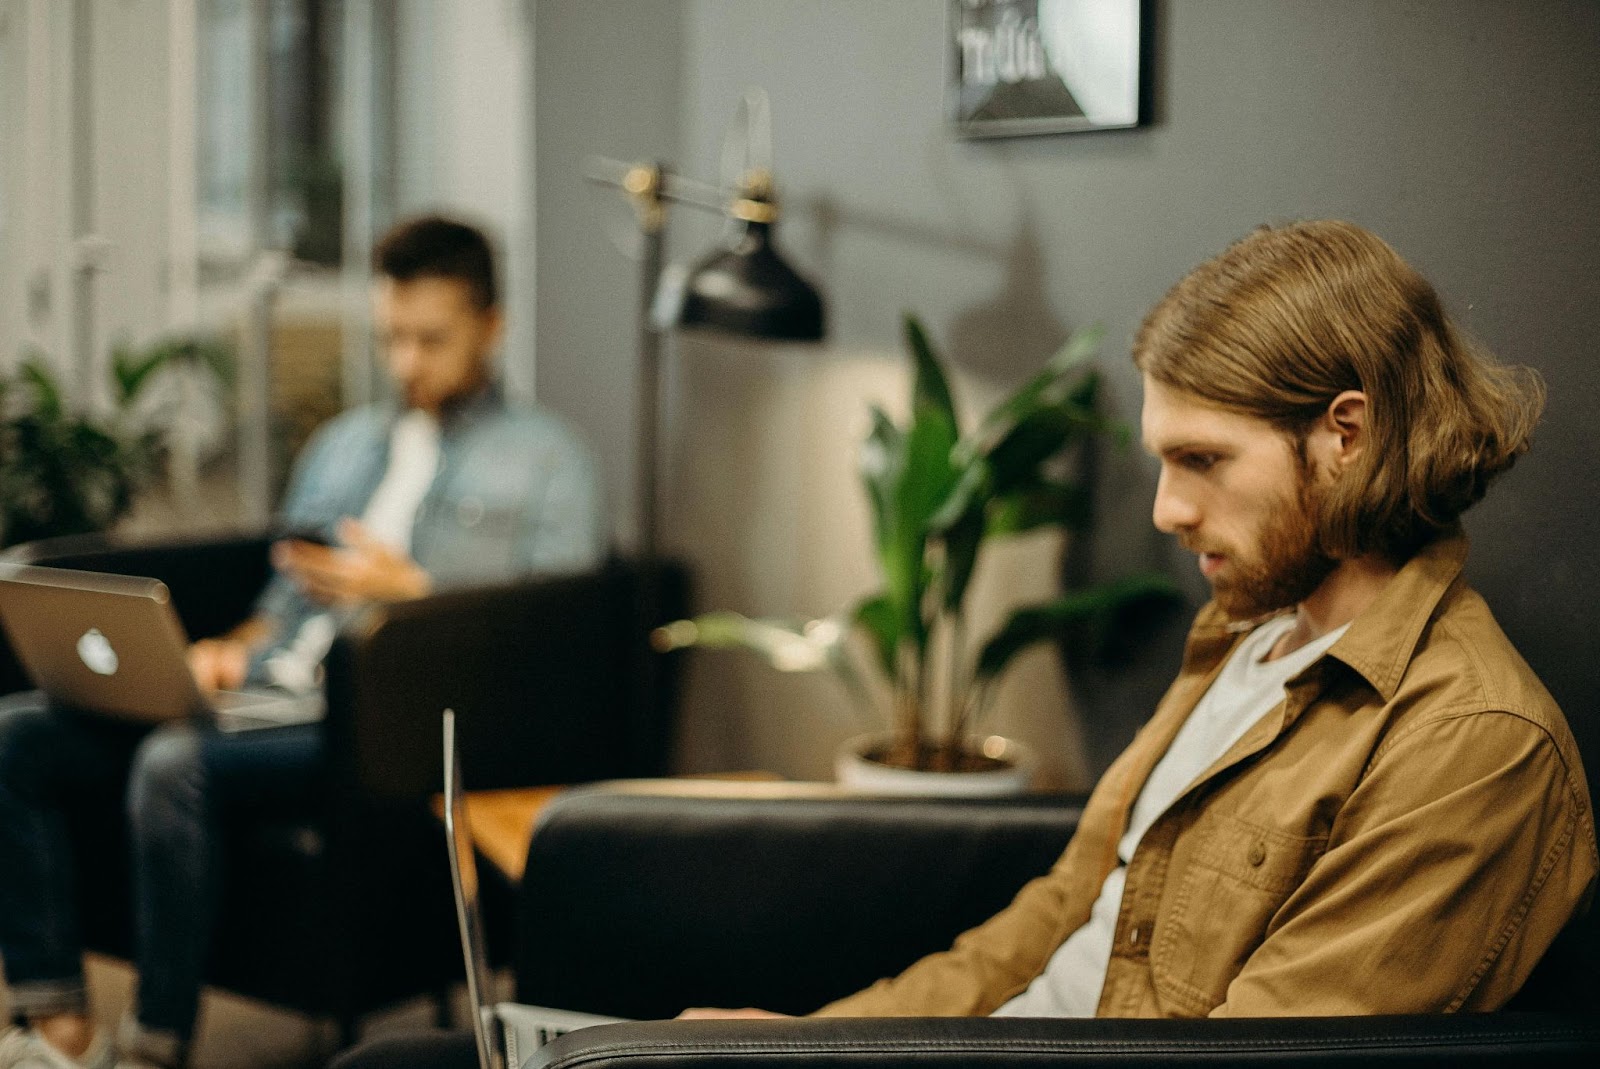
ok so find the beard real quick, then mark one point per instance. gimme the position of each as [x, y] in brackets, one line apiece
[1290, 564]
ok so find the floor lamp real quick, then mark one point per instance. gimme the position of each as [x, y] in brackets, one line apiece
[743, 288]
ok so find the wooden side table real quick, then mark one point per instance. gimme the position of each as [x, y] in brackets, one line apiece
[502, 822]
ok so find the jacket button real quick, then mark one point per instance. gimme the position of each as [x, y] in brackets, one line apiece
[1258, 854]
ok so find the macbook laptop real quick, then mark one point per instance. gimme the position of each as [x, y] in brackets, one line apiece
[113, 645]
[507, 1033]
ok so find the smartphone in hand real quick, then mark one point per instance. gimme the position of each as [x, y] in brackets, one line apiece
[319, 536]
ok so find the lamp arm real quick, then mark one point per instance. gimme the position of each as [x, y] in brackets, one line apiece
[604, 171]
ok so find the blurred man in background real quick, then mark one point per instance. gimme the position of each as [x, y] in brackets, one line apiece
[448, 485]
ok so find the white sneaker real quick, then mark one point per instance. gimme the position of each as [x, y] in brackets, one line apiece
[25, 1048]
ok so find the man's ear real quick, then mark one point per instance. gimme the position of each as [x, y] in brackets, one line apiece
[494, 321]
[1343, 429]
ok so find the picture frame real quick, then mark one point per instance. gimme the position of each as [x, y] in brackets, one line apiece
[1021, 67]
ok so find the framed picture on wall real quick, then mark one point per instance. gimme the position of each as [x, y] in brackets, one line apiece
[1046, 66]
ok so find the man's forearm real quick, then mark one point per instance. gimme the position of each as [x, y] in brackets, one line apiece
[253, 632]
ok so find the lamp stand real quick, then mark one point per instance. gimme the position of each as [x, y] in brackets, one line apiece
[645, 186]
[649, 415]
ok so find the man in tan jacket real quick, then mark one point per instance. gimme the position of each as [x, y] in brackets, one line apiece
[1356, 798]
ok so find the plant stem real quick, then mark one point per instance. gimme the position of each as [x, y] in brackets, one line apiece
[956, 628]
[924, 671]
[977, 704]
[908, 707]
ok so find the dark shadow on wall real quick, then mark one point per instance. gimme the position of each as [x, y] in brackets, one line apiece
[830, 217]
[1009, 335]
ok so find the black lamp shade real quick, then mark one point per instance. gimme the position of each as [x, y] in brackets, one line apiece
[747, 288]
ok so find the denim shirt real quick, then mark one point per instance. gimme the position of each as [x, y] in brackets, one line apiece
[515, 494]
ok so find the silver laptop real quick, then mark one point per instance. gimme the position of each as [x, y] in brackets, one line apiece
[112, 645]
[507, 1033]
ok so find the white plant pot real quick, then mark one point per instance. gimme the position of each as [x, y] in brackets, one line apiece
[854, 772]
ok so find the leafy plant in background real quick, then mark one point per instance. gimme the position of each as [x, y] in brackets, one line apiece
[937, 497]
[66, 471]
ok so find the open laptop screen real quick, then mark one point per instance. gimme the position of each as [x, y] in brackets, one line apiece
[469, 912]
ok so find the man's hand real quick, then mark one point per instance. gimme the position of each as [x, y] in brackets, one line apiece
[219, 663]
[222, 663]
[362, 569]
[710, 1013]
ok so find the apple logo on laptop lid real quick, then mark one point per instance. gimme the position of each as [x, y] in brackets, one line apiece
[96, 652]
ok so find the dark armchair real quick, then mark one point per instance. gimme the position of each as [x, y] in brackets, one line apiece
[639, 901]
[350, 910]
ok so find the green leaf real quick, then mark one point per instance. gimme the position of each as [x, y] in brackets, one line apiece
[1047, 504]
[1014, 462]
[1100, 605]
[878, 618]
[930, 388]
[784, 644]
[961, 543]
[210, 353]
[925, 481]
[881, 463]
[47, 394]
[132, 371]
[1048, 387]
[1086, 396]
[908, 476]
[970, 490]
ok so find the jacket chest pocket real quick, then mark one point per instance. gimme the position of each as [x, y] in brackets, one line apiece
[1237, 877]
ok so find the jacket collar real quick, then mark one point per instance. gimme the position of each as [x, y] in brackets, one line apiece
[1383, 639]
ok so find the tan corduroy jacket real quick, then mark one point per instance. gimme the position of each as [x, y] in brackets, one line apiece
[1406, 832]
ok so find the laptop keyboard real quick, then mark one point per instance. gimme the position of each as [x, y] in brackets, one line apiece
[248, 710]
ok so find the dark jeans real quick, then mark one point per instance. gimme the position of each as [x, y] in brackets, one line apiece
[175, 782]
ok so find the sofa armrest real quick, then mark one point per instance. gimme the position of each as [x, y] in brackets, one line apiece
[1457, 1040]
[542, 673]
[638, 902]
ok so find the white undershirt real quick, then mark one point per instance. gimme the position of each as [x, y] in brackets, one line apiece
[1247, 689]
[413, 462]
[389, 516]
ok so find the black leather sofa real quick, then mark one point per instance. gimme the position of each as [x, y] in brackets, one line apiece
[640, 900]
[347, 908]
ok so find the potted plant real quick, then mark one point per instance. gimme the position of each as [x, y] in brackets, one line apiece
[938, 495]
[67, 471]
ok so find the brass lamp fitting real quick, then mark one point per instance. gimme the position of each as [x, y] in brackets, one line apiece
[642, 184]
[757, 201]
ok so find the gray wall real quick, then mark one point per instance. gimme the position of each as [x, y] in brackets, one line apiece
[606, 82]
[1463, 131]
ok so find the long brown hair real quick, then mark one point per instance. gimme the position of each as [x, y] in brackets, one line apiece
[1289, 317]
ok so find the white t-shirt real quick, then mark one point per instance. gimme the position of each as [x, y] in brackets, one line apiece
[413, 463]
[1247, 689]
[389, 517]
